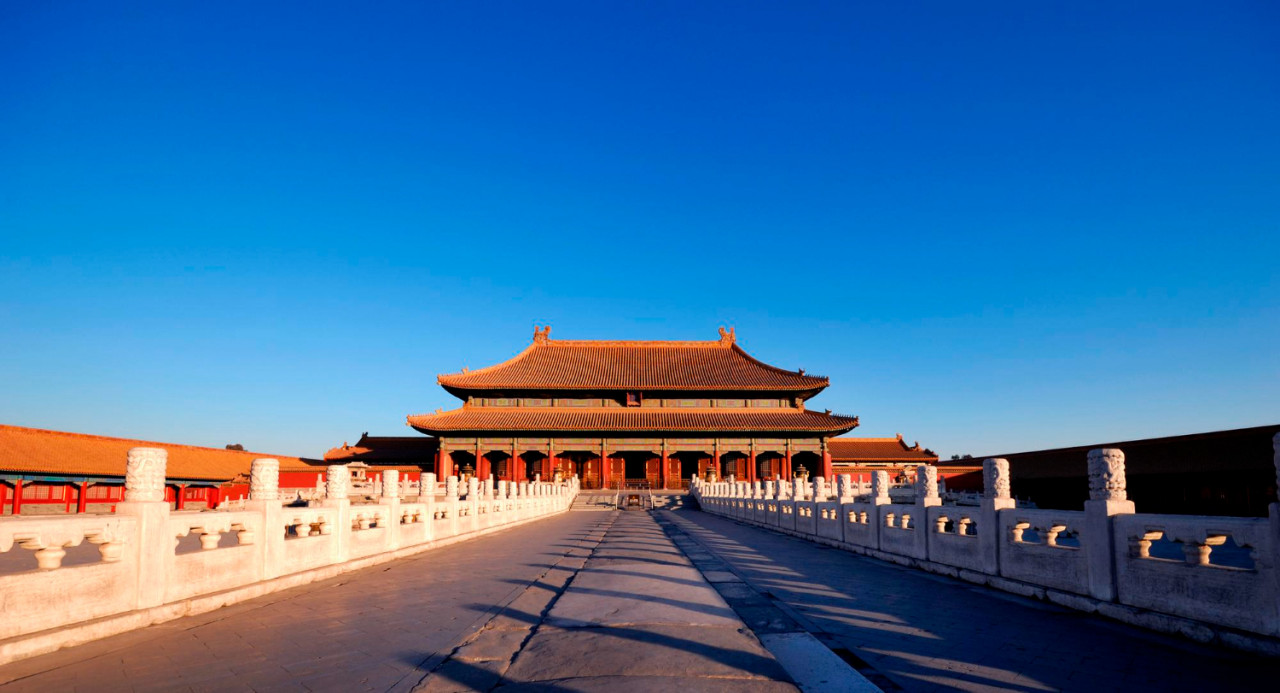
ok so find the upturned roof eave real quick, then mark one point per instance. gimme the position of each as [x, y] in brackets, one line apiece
[846, 425]
[462, 392]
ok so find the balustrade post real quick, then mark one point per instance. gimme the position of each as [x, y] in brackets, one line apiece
[427, 496]
[337, 489]
[879, 497]
[152, 545]
[844, 488]
[880, 488]
[1107, 498]
[391, 498]
[452, 503]
[927, 487]
[264, 499]
[996, 496]
[926, 497]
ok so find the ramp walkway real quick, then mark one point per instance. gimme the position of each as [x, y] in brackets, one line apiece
[655, 601]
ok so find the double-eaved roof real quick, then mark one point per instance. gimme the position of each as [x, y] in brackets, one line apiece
[548, 365]
[705, 371]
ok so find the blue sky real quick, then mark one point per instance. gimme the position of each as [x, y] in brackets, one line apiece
[996, 227]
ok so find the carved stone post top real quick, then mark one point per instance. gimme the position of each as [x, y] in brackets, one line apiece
[451, 486]
[264, 479]
[337, 482]
[427, 483]
[144, 474]
[1106, 475]
[926, 482]
[995, 478]
[880, 484]
[391, 484]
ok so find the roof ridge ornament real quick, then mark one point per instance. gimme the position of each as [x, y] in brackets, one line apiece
[541, 335]
[727, 337]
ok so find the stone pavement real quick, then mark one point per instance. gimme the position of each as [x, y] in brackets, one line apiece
[924, 632]
[381, 628]
[635, 615]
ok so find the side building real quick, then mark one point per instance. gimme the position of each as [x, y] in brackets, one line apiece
[55, 472]
[616, 412]
[863, 456]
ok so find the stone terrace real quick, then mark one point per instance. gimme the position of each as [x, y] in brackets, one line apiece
[586, 601]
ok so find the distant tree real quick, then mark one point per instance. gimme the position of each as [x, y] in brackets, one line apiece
[955, 457]
[236, 446]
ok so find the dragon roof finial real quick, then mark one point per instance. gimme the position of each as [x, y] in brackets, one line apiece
[541, 335]
[727, 336]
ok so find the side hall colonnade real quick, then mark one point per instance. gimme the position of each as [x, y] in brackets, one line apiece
[1211, 579]
[140, 577]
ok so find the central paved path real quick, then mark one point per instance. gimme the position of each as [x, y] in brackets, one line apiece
[634, 615]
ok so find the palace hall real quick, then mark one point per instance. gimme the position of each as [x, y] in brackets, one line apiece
[612, 412]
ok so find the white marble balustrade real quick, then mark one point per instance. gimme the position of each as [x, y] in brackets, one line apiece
[260, 546]
[1211, 578]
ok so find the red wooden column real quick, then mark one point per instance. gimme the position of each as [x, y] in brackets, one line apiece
[80, 497]
[180, 496]
[786, 466]
[662, 468]
[751, 465]
[17, 497]
[826, 461]
[439, 458]
[604, 466]
[4, 491]
[66, 498]
[211, 500]
[477, 453]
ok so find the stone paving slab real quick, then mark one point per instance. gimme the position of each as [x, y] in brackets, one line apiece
[682, 651]
[607, 595]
